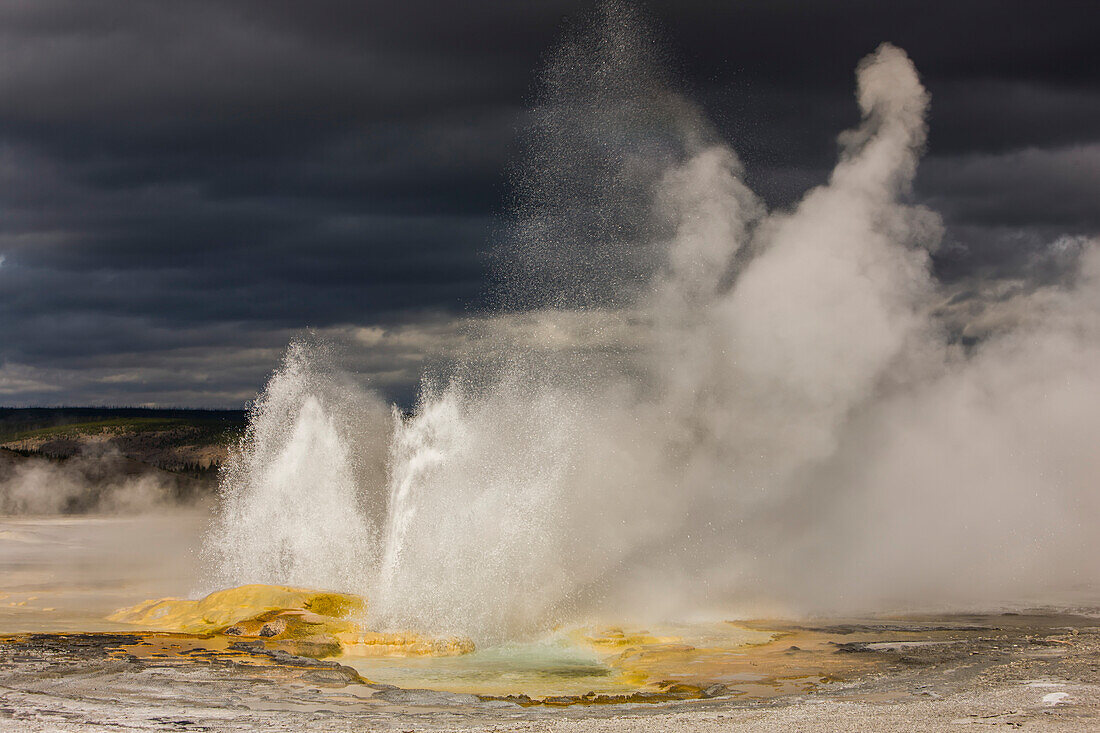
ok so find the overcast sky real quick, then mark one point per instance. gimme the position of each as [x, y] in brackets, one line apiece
[184, 186]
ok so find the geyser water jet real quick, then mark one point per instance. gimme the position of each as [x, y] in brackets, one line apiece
[764, 408]
[292, 511]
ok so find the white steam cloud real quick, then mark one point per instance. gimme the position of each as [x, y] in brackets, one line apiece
[787, 424]
[98, 480]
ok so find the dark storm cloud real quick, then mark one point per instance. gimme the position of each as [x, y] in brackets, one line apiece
[183, 186]
[1033, 186]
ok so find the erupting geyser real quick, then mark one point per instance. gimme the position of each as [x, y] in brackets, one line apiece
[734, 406]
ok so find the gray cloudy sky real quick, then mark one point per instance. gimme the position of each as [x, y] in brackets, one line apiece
[186, 186]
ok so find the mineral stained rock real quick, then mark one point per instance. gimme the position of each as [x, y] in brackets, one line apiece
[224, 608]
[316, 623]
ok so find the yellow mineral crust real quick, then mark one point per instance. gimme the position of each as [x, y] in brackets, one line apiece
[373, 644]
[312, 623]
[225, 608]
[614, 639]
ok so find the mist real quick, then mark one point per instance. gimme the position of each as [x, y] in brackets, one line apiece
[765, 412]
[98, 480]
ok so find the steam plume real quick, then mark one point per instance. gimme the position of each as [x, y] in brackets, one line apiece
[787, 423]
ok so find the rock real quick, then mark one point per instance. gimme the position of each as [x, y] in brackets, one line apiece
[716, 690]
[311, 623]
[226, 608]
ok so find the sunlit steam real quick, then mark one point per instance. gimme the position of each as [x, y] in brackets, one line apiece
[292, 510]
[768, 410]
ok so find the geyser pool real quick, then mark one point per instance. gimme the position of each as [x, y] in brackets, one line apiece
[724, 410]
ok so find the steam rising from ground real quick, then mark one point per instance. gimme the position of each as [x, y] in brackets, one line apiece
[778, 419]
[98, 480]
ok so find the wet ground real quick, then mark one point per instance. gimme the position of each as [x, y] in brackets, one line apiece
[69, 573]
[1034, 671]
[1037, 670]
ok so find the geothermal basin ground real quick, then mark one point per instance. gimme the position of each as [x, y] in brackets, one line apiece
[270, 658]
[1033, 671]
